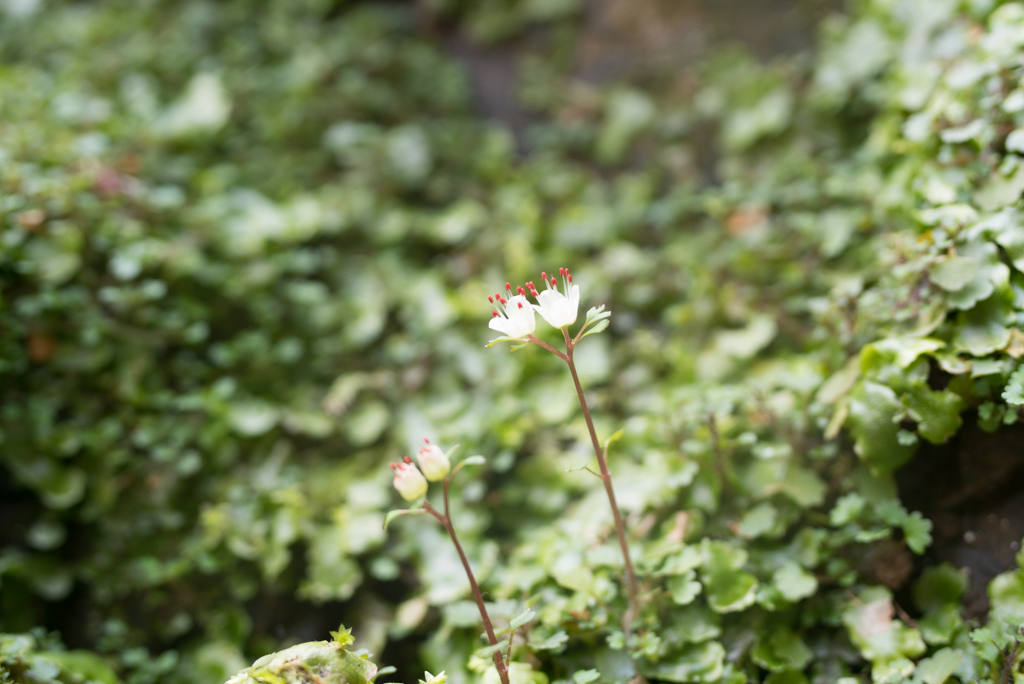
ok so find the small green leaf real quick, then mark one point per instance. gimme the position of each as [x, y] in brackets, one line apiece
[1014, 392]
[400, 512]
[938, 586]
[873, 408]
[469, 460]
[917, 532]
[953, 272]
[343, 636]
[521, 619]
[614, 437]
[938, 668]
[586, 676]
[794, 583]
[937, 413]
[486, 652]
[496, 340]
[551, 643]
[600, 326]
[684, 588]
[847, 509]
[758, 521]
[597, 313]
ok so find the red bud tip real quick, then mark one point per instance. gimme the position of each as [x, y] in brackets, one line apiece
[407, 459]
[543, 275]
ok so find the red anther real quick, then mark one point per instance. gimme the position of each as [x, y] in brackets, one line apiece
[520, 305]
[394, 467]
[543, 275]
[520, 290]
[569, 276]
[534, 293]
[554, 282]
[508, 286]
[494, 313]
[561, 271]
[426, 441]
[490, 299]
[407, 459]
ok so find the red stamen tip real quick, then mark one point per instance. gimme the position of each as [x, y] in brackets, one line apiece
[543, 275]
[554, 282]
[490, 299]
[494, 313]
[407, 459]
[520, 305]
[570, 277]
[520, 290]
[508, 286]
[426, 441]
[394, 467]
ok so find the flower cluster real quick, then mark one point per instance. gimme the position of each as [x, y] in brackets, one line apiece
[513, 315]
[410, 482]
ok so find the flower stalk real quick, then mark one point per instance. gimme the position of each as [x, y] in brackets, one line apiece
[559, 309]
[446, 522]
[606, 477]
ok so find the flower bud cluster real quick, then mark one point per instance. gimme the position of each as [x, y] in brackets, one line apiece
[410, 482]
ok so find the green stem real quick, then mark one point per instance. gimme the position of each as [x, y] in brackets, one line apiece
[606, 477]
[445, 520]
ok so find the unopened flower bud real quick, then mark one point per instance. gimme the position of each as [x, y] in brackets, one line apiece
[409, 480]
[432, 460]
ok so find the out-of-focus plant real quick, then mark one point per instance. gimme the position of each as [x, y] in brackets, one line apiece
[241, 247]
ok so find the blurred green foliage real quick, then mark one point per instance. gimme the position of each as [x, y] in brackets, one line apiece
[245, 248]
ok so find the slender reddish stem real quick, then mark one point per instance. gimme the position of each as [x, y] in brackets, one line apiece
[446, 521]
[606, 477]
[547, 346]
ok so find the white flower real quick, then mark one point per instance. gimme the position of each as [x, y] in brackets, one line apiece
[512, 317]
[409, 480]
[434, 679]
[433, 461]
[558, 309]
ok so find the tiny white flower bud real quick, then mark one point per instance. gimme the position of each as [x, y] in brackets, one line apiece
[409, 480]
[432, 460]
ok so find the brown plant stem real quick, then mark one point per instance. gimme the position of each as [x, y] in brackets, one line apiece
[606, 477]
[445, 520]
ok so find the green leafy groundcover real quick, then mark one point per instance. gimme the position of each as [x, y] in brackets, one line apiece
[245, 248]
